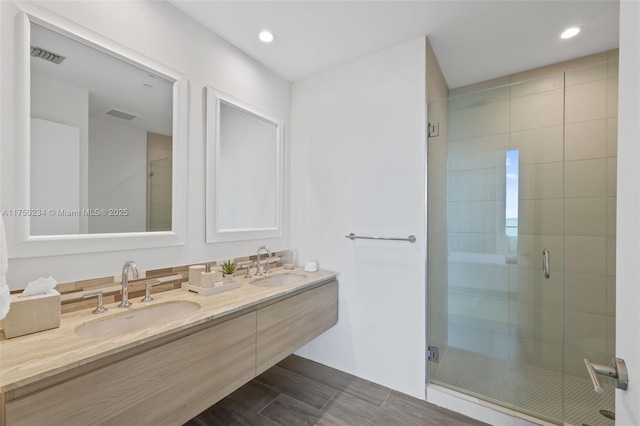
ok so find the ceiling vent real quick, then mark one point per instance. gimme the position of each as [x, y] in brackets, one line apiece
[118, 113]
[47, 55]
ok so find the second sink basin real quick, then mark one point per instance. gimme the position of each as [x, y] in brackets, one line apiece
[135, 319]
[278, 280]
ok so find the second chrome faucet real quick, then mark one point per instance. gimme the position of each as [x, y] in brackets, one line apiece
[125, 282]
[258, 271]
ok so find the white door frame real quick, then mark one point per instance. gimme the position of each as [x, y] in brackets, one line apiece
[628, 214]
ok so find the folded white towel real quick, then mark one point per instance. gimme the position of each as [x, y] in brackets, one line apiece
[5, 297]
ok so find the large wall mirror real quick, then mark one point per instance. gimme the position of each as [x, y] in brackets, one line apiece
[101, 140]
[244, 171]
[104, 131]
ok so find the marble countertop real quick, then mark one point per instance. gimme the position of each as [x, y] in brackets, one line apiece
[28, 359]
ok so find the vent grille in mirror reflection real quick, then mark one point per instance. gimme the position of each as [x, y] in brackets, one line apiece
[39, 52]
[118, 113]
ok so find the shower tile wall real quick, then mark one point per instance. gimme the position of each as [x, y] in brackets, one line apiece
[499, 303]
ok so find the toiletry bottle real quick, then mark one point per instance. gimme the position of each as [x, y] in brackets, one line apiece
[206, 278]
[194, 274]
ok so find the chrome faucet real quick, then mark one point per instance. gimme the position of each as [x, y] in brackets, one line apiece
[125, 282]
[258, 272]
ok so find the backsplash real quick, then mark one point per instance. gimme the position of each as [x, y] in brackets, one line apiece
[72, 292]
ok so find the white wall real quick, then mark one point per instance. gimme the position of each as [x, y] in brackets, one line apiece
[117, 175]
[628, 228]
[358, 165]
[55, 176]
[159, 31]
[62, 103]
[3, 86]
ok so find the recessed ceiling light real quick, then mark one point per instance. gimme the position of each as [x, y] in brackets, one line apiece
[570, 32]
[266, 36]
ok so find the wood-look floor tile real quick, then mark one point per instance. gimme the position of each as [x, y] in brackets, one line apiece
[194, 422]
[287, 411]
[301, 388]
[228, 412]
[363, 389]
[240, 407]
[400, 409]
[280, 396]
[352, 410]
[254, 396]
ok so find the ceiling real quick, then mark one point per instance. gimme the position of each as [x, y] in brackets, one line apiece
[109, 81]
[473, 40]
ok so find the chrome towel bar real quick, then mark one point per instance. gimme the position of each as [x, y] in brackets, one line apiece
[410, 238]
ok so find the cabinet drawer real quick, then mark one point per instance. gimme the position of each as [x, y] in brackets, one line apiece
[285, 326]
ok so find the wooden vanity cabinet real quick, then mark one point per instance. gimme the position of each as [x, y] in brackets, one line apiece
[162, 386]
[171, 380]
[287, 325]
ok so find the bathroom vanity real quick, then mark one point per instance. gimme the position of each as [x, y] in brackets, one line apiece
[167, 373]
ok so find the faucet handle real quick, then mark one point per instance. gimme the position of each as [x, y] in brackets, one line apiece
[99, 294]
[247, 266]
[147, 290]
[267, 261]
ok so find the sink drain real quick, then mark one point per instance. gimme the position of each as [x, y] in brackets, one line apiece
[608, 414]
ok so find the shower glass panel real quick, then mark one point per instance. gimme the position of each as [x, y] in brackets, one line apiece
[514, 171]
[591, 121]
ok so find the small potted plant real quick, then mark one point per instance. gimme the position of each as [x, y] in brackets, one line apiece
[228, 268]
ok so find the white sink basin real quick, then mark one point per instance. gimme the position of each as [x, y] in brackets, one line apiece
[278, 280]
[135, 319]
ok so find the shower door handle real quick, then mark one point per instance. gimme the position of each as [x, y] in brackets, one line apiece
[617, 371]
[545, 263]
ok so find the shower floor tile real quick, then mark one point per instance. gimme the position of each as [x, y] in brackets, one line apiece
[531, 390]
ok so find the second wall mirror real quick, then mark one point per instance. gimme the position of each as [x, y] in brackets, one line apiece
[244, 171]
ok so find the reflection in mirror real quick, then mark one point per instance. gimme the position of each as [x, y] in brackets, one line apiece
[101, 141]
[244, 171]
[247, 174]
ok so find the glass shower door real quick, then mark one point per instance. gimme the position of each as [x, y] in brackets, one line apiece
[521, 220]
[494, 315]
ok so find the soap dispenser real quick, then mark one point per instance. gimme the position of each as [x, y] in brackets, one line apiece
[207, 277]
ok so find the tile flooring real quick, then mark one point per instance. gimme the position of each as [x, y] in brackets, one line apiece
[300, 392]
[546, 394]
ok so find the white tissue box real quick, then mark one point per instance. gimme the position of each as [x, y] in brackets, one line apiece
[32, 314]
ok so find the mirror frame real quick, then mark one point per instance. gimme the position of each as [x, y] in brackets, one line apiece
[23, 245]
[212, 143]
